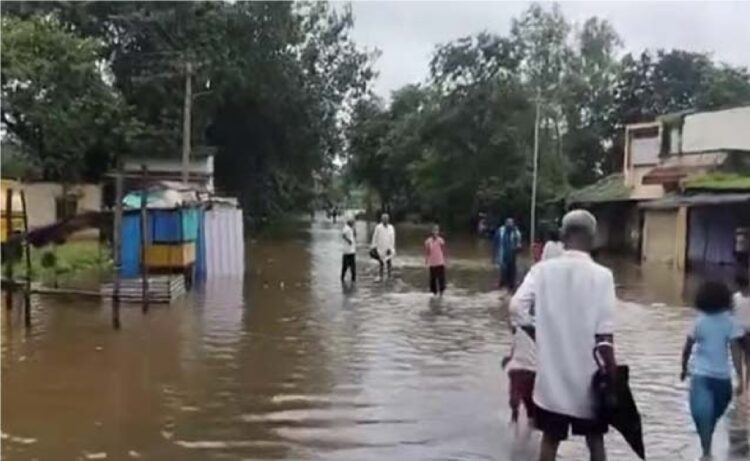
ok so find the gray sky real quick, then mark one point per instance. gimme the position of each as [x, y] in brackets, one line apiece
[406, 32]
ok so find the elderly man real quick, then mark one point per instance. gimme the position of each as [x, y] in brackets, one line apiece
[383, 245]
[570, 300]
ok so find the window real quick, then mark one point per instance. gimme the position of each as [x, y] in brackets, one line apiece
[644, 146]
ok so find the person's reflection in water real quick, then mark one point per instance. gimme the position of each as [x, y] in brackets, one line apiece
[348, 288]
[436, 305]
[739, 436]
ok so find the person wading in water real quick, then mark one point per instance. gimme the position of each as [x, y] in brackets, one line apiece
[507, 242]
[383, 245]
[570, 300]
[348, 259]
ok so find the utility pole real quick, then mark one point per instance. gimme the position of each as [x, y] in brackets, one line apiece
[186, 115]
[532, 230]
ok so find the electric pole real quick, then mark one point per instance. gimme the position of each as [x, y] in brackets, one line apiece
[532, 230]
[186, 121]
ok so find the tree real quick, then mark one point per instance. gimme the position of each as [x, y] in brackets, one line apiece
[274, 83]
[672, 81]
[587, 100]
[56, 103]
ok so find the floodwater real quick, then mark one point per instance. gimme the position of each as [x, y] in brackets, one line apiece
[290, 365]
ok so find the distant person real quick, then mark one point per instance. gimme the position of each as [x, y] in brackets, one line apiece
[348, 259]
[570, 300]
[742, 247]
[434, 248]
[507, 243]
[553, 246]
[709, 341]
[741, 303]
[383, 245]
[334, 214]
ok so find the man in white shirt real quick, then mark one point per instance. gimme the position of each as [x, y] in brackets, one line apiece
[570, 300]
[348, 259]
[383, 245]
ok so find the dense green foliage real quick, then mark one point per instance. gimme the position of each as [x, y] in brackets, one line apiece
[462, 143]
[55, 103]
[272, 83]
[281, 92]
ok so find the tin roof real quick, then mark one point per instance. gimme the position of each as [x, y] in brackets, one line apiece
[611, 188]
[676, 201]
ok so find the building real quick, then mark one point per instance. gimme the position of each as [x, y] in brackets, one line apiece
[50, 202]
[683, 196]
[200, 169]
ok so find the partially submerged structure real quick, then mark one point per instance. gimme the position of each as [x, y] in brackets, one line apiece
[683, 197]
[180, 233]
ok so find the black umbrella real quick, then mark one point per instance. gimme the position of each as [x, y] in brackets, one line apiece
[615, 406]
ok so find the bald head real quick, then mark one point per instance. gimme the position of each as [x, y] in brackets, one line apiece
[578, 230]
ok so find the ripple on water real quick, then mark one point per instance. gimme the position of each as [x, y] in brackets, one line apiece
[306, 370]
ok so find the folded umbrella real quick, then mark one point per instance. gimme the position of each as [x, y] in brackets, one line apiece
[615, 405]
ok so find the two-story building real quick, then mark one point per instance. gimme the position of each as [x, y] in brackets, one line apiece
[683, 197]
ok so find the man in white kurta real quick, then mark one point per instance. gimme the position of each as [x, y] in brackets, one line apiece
[383, 245]
[570, 300]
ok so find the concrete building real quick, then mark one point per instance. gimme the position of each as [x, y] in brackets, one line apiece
[683, 196]
[200, 169]
[50, 202]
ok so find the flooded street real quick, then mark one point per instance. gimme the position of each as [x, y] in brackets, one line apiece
[289, 365]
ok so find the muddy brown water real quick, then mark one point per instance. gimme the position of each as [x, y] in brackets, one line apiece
[288, 365]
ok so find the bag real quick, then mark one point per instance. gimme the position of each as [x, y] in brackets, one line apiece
[374, 254]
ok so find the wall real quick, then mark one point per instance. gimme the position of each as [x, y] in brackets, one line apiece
[641, 155]
[202, 167]
[725, 129]
[640, 191]
[40, 201]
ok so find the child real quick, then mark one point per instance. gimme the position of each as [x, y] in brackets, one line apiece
[741, 302]
[554, 247]
[434, 248]
[714, 330]
[521, 366]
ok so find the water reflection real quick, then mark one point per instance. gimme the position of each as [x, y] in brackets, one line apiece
[291, 364]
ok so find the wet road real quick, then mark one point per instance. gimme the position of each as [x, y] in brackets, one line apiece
[288, 365]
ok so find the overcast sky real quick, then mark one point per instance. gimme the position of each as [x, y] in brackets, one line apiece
[406, 32]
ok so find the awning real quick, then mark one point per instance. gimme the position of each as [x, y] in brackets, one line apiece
[676, 201]
[669, 174]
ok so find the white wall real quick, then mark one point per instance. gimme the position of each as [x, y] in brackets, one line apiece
[204, 165]
[40, 200]
[724, 129]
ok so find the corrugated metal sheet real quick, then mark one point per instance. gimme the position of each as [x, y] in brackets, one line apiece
[712, 233]
[225, 245]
